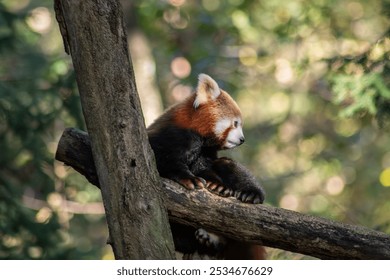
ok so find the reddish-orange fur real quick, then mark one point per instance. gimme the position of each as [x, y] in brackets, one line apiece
[204, 118]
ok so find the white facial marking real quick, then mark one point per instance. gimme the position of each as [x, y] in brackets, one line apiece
[234, 137]
[221, 126]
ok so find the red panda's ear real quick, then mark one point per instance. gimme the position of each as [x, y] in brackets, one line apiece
[207, 89]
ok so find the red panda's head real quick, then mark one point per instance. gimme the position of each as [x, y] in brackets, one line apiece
[212, 113]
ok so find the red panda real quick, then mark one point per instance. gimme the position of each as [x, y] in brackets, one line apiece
[185, 141]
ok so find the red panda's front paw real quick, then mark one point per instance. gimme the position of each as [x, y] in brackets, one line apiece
[219, 189]
[193, 183]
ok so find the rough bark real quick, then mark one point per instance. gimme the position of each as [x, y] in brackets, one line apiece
[93, 34]
[270, 226]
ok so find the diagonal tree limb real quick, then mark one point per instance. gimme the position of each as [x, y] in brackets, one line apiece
[270, 226]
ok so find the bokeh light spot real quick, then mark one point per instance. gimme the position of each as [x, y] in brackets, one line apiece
[284, 73]
[355, 10]
[384, 178]
[11, 241]
[16, 6]
[279, 102]
[176, 19]
[181, 67]
[40, 20]
[240, 19]
[177, 3]
[335, 185]
[60, 171]
[35, 252]
[247, 56]
[55, 200]
[43, 215]
[346, 127]
[181, 92]
[289, 201]
[211, 5]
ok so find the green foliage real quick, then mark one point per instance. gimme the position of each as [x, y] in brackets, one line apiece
[37, 98]
[306, 74]
[361, 83]
[361, 91]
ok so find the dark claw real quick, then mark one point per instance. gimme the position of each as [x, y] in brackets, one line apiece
[243, 197]
[201, 182]
[220, 189]
[250, 197]
[212, 186]
[257, 200]
[227, 192]
[198, 184]
[187, 183]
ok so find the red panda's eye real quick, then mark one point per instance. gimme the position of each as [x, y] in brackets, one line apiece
[235, 124]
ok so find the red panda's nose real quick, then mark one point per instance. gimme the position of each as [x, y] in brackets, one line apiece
[242, 140]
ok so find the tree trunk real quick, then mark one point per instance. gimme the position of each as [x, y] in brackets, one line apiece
[93, 34]
[270, 226]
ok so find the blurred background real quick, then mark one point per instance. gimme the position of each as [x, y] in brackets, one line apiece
[312, 79]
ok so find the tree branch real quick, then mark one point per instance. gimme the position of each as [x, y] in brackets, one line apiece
[270, 226]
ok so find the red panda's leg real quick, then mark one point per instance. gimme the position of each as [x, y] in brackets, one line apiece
[214, 183]
[184, 238]
[190, 241]
[212, 244]
[176, 150]
[184, 177]
[181, 174]
[229, 249]
[238, 181]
